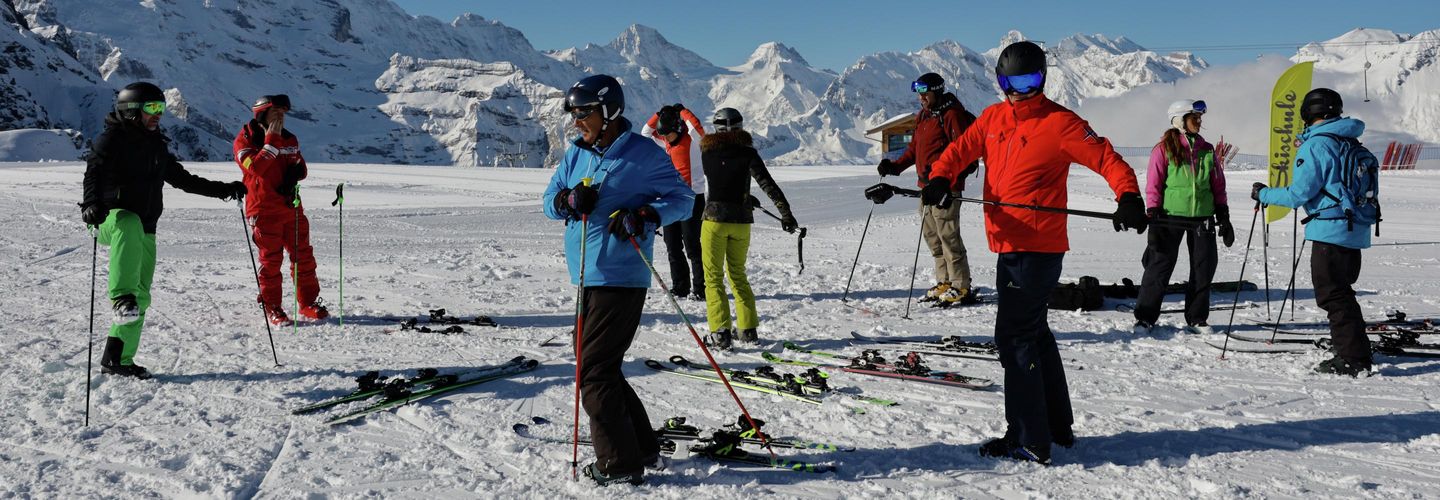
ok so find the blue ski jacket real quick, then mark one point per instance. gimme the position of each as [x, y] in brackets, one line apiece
[1317, 166]
[631, 173]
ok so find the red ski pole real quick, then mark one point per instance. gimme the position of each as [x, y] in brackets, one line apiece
[579, 328]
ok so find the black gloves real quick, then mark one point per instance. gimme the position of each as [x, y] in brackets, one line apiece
[1130, 213]
[1153, 213]
[1222, 225]
[576, 202]
[288, 181]
[937, 192]
[885, 168]
[754, 202]
[234, 191]
[1255, 190]
[637, 223]
[93, 213]
[788, 223]
[879, 193]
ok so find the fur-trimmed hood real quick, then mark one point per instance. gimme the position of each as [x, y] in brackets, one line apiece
[717, 140]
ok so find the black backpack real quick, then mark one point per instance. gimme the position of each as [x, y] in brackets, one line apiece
[1086, 295]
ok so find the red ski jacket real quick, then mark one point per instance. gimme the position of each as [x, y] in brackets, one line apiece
[1028, 147]
[934, 129]
[265, 161]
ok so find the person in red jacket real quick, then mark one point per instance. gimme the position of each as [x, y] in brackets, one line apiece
[269, 157]
[679, 132]
[940, 120]
[1028, 143]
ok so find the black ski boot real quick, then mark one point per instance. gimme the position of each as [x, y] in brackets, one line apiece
[592, 471]
[720, 339]
[749, 336]
[1009, 447]
[1341, 366]
[110, 361]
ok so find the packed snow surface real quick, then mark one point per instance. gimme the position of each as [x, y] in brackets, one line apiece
[1159, 416]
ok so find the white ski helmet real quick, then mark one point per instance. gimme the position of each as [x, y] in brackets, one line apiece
[1180, 108]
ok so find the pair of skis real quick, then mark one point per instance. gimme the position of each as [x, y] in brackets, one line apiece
[811, 383]
[951, 346]
[721, 446]
[1397, 344]
[870, 363]
[428, 383]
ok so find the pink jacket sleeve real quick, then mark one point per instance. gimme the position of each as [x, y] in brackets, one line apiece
[1217, 185]
[1155, 178]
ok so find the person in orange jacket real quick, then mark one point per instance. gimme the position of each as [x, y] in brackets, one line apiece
[1028, 143]
[679, 132]
[269, 157]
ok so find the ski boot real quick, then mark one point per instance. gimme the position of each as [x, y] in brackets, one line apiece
[1201, 328]
[720, 339]
[110, 361]
[592, 471]
[1142, 327]
[126, 309]
[1008, 447]
[276, 315]
[1341, 366]
[315, 310]
[934, 293]
[749, 336]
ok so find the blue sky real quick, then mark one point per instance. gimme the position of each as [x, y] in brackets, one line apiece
[834, 34]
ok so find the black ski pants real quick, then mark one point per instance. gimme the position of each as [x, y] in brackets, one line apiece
[683, 238]
[1159, 260]
[1037, 398]
[1334, 269]
[619, 425]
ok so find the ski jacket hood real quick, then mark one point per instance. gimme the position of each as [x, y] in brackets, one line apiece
[632, 172]
[1318, 171]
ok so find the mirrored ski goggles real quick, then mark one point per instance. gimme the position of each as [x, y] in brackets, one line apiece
[1198, 107]
[583, 112]
[150, 108]
[1021, 84]
[920, 88]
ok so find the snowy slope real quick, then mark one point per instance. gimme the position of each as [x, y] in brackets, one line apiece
[1157, 417]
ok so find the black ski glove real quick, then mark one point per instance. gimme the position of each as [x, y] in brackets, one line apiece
[638, 223]
[754, 202]
[1154, 213]
[93, 213]
[937, 193]
[289, 180]
[879, 193]
[886, 167]
[1255, 190]
[1222, 225]
[234, 190]
[788, 223]
[1130, 213]
[576, 202]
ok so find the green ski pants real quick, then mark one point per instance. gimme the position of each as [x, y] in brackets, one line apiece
[132, 269]
[723, 246]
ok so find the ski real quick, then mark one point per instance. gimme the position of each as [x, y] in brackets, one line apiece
[372, 384]
[811, 383]
[1256, 350]
[1395, 340]
[675, 428]
[657, 366]
[403, 396]
[721, 446]
[1130, 307]
[1394, 320]
[1392, 349]
[870, 363]
[937, 348]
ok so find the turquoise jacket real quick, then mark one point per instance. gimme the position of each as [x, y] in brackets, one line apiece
[1317, 166]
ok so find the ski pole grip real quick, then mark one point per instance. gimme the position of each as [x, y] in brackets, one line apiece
[587, 180]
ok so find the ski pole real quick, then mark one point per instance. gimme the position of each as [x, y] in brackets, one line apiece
[90, 338]
[340, 200]
[765, 441]
[916, 265]
[1071, 211]
[579, 329]
[249, 245]
[1289, 293]
[1243, 261]
[1296, 250]
[800, 243]
[846, 295]
[1265, 241]
[294, 267]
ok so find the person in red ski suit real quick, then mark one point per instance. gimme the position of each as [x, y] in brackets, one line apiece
[269, 157]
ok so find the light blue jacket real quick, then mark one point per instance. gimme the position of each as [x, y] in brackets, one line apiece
[632, 173]
[1317, 165]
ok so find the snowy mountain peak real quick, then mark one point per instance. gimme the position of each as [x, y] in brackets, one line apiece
[1011, 37]
[1079, 43]
[774, 52]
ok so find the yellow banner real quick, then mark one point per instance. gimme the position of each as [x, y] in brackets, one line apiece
[1285, 124]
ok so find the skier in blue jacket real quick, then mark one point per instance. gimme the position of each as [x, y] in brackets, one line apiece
[1335, 260]
[633, 189]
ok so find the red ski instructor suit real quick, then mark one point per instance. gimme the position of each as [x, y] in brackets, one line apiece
[1028, 147]
[264, 161]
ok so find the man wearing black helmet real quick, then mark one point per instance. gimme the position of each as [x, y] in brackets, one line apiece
[1028, 143]
[730, 161]
[940, 120]
[269, 158]
[611, 187]
[1338, 226]
[128, 164]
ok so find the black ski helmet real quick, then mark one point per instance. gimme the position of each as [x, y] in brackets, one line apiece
[1021, 58]
[266, 102]
[727, 119]
[597, 90]
[135, 95]
[933, 83]
[1321, 104]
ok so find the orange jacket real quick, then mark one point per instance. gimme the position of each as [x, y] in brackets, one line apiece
[1028, 147]
[682, 154]
[264, 161]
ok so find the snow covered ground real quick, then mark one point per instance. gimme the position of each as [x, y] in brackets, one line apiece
[1157, 417]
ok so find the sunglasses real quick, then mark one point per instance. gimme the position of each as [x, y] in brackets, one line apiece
[1021, 84]
[920, 88]
[584, 112]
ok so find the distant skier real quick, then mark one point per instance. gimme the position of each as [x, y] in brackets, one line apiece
[730, 161]
[269, 157]
[128, 165]
[633, 180]
[1321, 180]
[1028, 143]
[940, 120]
[1184, 184]
[677, 130]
